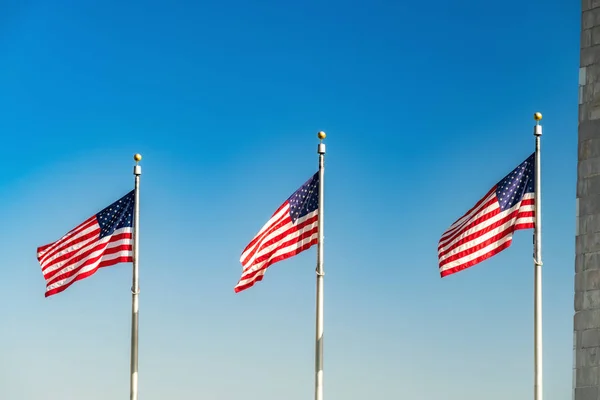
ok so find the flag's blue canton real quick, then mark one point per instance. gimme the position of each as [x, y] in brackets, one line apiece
[513, 187]
[116, 216]
[306, 199]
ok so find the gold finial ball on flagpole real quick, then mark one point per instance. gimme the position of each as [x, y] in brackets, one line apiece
[321, 135]
[537, 116]
[137, 157]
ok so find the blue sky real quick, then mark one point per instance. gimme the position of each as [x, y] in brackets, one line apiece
[426, 106]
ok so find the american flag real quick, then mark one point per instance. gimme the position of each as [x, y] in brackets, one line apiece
[488, 227]
[293, 228]
[100, 241]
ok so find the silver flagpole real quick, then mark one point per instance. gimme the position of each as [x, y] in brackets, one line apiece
[537, 313]
[135, 288]
[320, 274]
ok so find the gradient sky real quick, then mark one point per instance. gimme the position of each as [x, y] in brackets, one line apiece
[426, 106]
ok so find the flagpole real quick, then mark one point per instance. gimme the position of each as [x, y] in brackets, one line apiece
[135, 288]
[320, 274]
[538, 388]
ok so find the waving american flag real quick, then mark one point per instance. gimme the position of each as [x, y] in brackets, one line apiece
[102, 240]
[488, 227]
[293, 228]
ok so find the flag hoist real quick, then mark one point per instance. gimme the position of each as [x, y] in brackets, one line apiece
[107, 238]
[514, 203]
[295, 226]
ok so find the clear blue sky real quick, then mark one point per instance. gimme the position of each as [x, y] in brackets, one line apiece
[426, 106]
